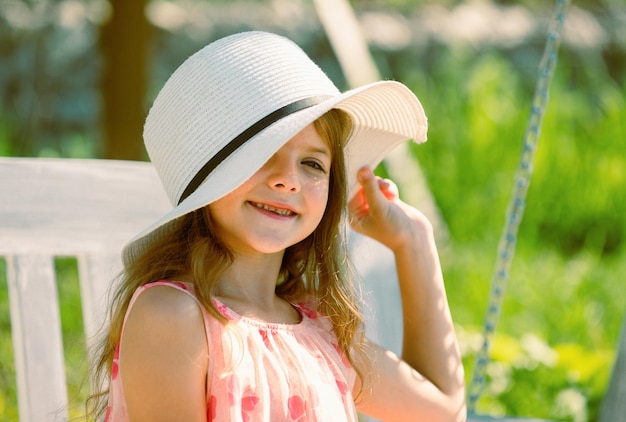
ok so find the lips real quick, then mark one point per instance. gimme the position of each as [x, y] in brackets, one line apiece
[276, 210]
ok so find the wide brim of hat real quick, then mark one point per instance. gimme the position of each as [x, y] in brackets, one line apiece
[384, 114]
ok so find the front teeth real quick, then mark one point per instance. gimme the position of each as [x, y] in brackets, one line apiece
[272, 209]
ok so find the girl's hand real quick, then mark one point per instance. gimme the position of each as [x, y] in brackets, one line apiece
[427, 383]
[377, 211]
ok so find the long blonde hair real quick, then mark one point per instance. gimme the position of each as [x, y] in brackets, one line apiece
[315, 267]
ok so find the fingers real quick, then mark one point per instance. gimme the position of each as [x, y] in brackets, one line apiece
[367, 180]
[375, 189]
[371, 205]
[388, 188]
[374, 210]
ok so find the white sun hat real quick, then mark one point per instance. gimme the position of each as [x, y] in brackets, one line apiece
[229, 107]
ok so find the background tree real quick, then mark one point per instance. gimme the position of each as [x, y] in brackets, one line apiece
[124, 41]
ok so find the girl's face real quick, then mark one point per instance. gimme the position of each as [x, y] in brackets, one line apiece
[282, 203]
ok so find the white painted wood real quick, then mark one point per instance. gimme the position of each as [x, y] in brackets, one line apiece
[97, 273]
[66, 207]
[37, 345]
[85, 209]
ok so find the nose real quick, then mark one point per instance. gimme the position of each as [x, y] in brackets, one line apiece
[283, 174]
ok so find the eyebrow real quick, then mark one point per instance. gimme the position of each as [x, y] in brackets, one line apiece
[321, 150]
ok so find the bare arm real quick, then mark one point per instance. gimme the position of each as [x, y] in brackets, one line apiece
[163, 359]
[428, 381]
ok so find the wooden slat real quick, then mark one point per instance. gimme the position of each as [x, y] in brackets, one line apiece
[66, 207]
[96, 275]
[37, 345]
[96, 272]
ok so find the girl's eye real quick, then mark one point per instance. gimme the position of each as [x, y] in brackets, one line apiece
[314, 164]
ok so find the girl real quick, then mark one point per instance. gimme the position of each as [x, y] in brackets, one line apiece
[237, 305]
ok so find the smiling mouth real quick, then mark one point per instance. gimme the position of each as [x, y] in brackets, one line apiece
[280, 211]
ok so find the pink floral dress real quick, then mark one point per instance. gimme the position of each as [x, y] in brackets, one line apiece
[264, 372]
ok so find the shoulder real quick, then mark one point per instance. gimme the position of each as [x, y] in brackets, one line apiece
[164, 298]
[167, 316]
[164, 304]
[164, 354]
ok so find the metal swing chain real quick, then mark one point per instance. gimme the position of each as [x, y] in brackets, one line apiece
[515, 210]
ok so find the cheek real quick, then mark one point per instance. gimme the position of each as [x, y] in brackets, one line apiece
[318, 192]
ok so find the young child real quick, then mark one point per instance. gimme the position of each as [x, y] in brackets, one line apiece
[238, 304]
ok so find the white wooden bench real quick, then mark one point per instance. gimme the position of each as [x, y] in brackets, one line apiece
[50, 208]
[88, 209]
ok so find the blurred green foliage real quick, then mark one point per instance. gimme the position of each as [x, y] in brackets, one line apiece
[564, 308]
[479, 113]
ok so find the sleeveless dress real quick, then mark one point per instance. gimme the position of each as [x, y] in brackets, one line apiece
[263, 371]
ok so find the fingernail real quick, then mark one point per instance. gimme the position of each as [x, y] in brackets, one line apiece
[365, 173]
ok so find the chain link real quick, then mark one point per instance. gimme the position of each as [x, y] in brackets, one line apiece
[515, 211]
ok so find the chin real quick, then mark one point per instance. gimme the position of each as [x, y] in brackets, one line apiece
[274, 248]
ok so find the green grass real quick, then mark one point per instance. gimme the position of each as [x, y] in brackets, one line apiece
[557, 332]
[74, 342]
[563, 309]
[8, 391]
